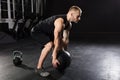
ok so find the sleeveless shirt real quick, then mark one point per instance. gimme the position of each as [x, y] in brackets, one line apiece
[47, 26]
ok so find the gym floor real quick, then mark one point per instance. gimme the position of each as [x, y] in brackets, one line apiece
[94, 59]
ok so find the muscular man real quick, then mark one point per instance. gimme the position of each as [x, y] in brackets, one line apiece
[53, 33]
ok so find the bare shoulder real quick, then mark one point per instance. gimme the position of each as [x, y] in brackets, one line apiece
[59, 24]
[59, 20]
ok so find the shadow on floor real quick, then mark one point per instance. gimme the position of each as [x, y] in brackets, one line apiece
[54, 74]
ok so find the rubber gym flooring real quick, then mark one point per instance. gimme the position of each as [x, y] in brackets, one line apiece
[94, 59]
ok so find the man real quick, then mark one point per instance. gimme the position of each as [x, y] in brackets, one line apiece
[53, 33]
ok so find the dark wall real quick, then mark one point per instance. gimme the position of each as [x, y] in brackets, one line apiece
[98, 15]
[100, 18]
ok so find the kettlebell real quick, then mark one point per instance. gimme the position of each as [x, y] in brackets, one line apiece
[17, 58]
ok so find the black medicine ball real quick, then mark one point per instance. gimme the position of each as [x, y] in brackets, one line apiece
[64, 59]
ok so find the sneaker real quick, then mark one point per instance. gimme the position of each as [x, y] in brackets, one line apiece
[42, 72]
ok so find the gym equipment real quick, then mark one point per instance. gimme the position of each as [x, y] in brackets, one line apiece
[64, 59]
[17, 58]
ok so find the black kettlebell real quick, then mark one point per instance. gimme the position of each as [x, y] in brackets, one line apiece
[17, 58]
[64, 58]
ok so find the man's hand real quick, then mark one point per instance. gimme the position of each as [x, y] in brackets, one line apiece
[55, 63]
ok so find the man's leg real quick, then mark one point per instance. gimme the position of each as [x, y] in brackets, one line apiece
[44, 53]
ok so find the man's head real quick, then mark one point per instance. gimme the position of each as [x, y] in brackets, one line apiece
[74, 14]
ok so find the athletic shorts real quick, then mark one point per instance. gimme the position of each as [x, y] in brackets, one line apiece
[40, 36]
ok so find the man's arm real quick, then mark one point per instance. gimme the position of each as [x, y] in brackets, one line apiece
[66, 37]
[57, 38]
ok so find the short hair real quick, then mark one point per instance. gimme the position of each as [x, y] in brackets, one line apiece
[75, 8]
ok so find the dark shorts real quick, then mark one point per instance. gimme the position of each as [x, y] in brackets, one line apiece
[40, 36]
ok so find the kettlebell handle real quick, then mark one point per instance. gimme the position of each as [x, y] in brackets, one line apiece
[17, 52]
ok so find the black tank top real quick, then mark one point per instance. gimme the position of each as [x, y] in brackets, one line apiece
[47, 26]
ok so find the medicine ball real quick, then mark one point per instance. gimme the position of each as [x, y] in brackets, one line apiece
[64, 59]
[17, 58]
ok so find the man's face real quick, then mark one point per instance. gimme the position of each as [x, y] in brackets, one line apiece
[75, 16]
